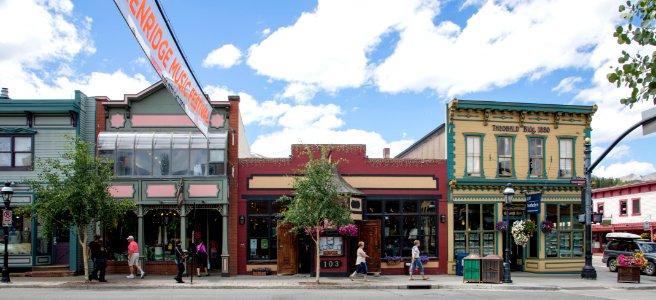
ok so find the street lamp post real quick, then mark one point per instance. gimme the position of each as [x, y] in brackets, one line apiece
[588, 271]
[7, 193]
[508, 195]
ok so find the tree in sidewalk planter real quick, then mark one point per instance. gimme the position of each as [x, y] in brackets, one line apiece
[316, 202]
[73, 192]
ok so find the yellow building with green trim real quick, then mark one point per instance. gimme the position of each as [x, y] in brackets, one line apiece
[537, 148]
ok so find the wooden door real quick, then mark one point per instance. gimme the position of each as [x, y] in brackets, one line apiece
[287, 250]
[370, 235]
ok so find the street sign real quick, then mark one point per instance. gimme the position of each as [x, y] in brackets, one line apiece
[645, 226]
[6, 218]
[580, 181]
[651, 126]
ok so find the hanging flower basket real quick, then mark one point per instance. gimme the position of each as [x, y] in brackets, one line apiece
[313, 231]
[547, 226]
[348, 230]
[522, 231]
[502, 226]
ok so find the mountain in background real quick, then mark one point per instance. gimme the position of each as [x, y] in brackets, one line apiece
[634, 177]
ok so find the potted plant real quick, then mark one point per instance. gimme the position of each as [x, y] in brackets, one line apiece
[261, 271]
[522, 231]
[629, 266]
[393, 260]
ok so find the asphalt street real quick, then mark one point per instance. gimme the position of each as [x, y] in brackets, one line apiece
[261, 294]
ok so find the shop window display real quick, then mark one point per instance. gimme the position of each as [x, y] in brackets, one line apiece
[403, 222]
[261, 231]
[474, 229]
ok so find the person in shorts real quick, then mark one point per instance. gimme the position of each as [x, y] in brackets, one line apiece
[133, 258]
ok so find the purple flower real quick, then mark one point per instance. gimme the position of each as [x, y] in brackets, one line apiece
[502, 226]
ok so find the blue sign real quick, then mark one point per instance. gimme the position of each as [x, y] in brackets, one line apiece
[533, 203]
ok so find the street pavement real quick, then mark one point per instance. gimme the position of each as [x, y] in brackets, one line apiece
[521, 281]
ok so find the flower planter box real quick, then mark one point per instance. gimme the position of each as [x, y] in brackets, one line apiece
[628, 274]
[260, 273]
[393, 263]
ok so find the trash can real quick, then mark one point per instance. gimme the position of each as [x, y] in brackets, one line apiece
[491, 269]
[471, 268]
[459, 258]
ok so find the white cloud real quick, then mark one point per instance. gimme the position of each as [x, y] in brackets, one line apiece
[625, 168]
[617, 152]
[224, 57]
[501, 43]
[252, 111]
[36, 54]
[567, 84]
[328, 47]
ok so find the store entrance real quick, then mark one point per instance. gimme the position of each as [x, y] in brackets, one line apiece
[207, 225]
[305, 253]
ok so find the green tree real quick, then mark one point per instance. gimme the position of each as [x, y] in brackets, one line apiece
[636, 70]
[73, 192]
[603, 182]
[316, 202]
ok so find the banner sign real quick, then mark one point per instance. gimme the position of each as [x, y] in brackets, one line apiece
[533, 203]
[153, 34]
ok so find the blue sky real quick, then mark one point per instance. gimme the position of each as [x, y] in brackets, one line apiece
[370, 72]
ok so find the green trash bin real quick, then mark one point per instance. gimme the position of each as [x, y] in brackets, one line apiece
[472, 268]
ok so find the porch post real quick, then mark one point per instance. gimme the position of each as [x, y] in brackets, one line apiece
[225, 270]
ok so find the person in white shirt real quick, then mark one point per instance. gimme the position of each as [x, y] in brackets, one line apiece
[360, 262]
[416, 262]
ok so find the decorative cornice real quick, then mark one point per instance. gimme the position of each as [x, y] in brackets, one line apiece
[17, 131]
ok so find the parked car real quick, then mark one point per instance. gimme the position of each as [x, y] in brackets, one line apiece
[627, 244]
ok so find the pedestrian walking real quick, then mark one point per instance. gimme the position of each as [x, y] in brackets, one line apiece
[201, 258]
[133, 258]
[180, 261]
[92, 252]
[101, 262]
[360, 262]
[416, 261]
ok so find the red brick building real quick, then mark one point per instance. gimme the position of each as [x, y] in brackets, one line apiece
[394, 202]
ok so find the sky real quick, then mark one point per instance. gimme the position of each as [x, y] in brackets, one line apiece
[376, 72]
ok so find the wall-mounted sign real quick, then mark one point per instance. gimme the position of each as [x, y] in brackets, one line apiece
[533, 203]
[331, 264]
[144, 17]
[526, 129]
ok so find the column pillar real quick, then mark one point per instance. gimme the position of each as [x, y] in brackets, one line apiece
[183, 226]
[140, 231]
[225, 257]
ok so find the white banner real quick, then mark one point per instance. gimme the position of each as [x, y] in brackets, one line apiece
[153, 35]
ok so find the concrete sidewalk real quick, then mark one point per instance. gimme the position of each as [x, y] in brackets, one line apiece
[521, 281]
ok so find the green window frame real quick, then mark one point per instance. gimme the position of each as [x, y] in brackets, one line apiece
[536, 156]
[566, 240]
[474, 156]
[506, 156]
[566, 157]
[474, 229]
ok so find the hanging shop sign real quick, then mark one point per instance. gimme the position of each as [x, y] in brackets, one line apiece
[533, 203]
[145, 19]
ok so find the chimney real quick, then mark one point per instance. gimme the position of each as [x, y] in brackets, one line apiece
[5, 93]
[386, 152]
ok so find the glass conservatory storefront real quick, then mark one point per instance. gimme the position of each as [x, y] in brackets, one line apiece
[163, 154]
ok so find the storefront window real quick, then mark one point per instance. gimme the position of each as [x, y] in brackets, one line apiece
[261, 231]
[469, 235]
[566, 240]
[403, 222]
[20, 237]
[161, 228]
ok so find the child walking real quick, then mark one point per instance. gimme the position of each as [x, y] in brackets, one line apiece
[360, 262]
[416, 262]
